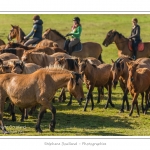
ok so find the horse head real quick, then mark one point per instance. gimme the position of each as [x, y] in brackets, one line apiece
[16, 32]
[17, 67]
[117, 70]
[46, 34]
[109, 38]
[4, 67]
[132, 66]
[75, 87]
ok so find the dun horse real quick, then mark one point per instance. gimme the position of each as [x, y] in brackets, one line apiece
[69, 64]
[96, 76]
[42, 59]
[89, 49]
[122, 44]
[40, 90]
[138, 82]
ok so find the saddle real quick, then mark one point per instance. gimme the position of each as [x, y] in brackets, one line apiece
[140, 46]
[77, 47]
[35, 43]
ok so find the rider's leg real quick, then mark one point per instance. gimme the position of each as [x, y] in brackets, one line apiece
[71, 44]
[31, 41]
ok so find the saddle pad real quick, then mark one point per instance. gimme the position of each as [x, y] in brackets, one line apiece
[77, 47]
[140, 46]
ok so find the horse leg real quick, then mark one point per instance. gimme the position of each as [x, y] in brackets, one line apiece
[62, 94]
[91, 87]
[92, 101]
[46, 105]
[70, 101]
[134, 101]
[26, 113]
[125, 98]
[109, 95]
[100, 92]
[142, 94]
[12, 107]
[22, 114]
[146, 102]
[2, 127]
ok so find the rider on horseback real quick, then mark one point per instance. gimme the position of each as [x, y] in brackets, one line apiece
[75, 33]
[135, 36]
[36, 31]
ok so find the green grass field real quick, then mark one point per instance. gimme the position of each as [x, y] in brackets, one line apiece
[72, 120]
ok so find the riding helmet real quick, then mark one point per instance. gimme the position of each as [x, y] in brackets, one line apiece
[77, 19]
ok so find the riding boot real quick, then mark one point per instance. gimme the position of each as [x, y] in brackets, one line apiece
[70, 50]
[134, 53]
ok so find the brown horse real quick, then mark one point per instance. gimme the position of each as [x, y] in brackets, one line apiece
[138, 82]
[90, 49]
[120, 72]
[40, 90]
[96, 76]
[17, 45]
[7, 56]
[17, 51]
[122, 44]
[20, 68]
[42, 59]
[17, 33]
[69, 64]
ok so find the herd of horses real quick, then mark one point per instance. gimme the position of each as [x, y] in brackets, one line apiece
[32, 75]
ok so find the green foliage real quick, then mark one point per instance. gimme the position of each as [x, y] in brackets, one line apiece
[72, 120]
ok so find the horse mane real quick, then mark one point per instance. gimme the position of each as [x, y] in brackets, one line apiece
[71, 64]
[120, 35]
[58, 33]
[21, 34]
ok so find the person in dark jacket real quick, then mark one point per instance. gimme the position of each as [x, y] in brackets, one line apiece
[36, 31]
[135, 36]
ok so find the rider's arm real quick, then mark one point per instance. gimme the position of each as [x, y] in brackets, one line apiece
[32, 32]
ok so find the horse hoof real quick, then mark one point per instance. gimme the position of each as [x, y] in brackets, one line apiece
[38, 130]
[121, 111]
[13, 118]
[106, 106]
[112, 105]
[68, 104]
[22, 120]
[51, 129]
[5, 132]
[130, 115]
[80, 104]
[26, 117]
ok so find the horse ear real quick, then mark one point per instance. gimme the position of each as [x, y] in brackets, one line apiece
[14, 62]
[12, 26]
[112, 61]
[1, 62]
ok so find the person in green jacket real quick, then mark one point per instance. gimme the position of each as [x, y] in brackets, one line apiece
[75, 33]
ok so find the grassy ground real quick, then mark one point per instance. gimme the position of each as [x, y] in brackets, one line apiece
[72, 120]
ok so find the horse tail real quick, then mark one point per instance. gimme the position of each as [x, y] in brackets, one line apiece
[100, 59]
